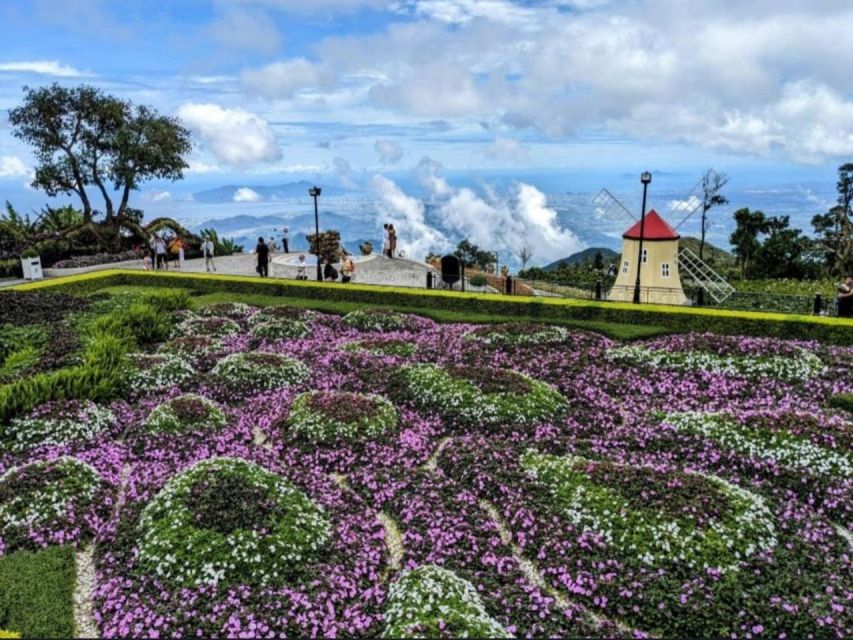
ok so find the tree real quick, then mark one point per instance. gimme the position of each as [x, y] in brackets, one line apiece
[525, 253]
[85, 140]
[712, 184]
[785, 253]
[834, 229]
[744, 239]
[598, 261]
[472, 256]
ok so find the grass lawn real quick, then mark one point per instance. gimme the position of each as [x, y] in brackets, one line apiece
[36, 593]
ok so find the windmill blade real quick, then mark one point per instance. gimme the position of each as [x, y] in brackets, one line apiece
[686, 207]
[608, 205]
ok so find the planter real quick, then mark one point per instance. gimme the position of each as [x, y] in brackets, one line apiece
[32, 268]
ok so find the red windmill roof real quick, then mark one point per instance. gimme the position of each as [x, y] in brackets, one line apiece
[656, 229]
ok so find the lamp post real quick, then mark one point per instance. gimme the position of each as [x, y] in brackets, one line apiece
[645, 178]
[314, 192]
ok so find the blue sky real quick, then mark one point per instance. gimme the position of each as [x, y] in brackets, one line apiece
[345, 91]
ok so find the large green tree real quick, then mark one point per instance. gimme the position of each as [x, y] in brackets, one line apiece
[749, 226]
[834, 229]
[86, 141]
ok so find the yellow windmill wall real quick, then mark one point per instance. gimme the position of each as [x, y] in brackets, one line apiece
[660, 290]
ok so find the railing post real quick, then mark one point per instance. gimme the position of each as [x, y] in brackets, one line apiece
[598, 291]
[429, 280]
[700, 298]
[508, 287]
[818, 304]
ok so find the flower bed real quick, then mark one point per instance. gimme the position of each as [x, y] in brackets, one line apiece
[56, 502]
[184, 413]
[518, 333]
[381, 347]
[326, 416]
[233, 310]
[379, 320]
[227, 520]
[280, 330]
[472, 396]
[212, 327]
[255, 371]
[153, 372]
[56, 423]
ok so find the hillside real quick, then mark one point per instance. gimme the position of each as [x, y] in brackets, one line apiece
[714, 256]
[587, 255]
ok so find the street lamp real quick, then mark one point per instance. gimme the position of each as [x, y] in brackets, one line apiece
[314, 192]
[645, 178]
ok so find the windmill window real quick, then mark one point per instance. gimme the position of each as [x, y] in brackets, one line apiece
[625, 267]
[645, 256]
[664, 269]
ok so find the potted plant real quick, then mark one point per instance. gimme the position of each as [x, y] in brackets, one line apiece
[366, 248]
[477, 281]
[31, 264]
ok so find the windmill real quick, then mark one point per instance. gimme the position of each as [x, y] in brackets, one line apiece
[662, 258]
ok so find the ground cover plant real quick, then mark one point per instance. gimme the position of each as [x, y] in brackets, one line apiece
[399, 476]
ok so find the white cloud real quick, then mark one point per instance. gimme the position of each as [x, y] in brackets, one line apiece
[244, 30]
[509, 150]
[344, 172]
[245, 194]
[197, 166]
[161, 196]
[390, 151]
[13, 167]
[414, 236]
[43, 67]
[235, 136]
[280, 80]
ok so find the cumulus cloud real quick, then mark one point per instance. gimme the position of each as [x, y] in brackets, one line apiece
[13, 167]
[43, 67]
[235, 136]
[414, 236]
[281, 80]
[509, 150]
[161, 196]
[245, 194]
[390, 151]
[343, 171]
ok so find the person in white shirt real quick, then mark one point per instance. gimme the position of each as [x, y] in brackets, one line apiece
[160, 250]
[207, 247]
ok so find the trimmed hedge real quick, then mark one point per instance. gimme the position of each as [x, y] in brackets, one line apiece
[826, 329]
[842, 401]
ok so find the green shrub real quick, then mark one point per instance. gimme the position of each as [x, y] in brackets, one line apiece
[471, 396]
[212, 327]
[378, 320]
[230, 521]
[254, 371]
[326, 416]
[432, 602]
[477, 281]
[156, 372]
[188, 412]
[516, 333]
[36, 593]
[281, 330]
[842, 401]
[381, 347]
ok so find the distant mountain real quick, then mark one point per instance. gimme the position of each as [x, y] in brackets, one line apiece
[714, 256]
[587, 255]
[257, 193]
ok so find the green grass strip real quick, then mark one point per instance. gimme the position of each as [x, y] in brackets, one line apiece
[36, 593]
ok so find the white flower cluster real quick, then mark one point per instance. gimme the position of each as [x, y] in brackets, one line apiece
[253, 371]
[159, 371]
[520, 335]
[168, 417]
[280, 329]
[745, 529]
[211, 326]
[174, 547]
[235, 310]
[804, 366]
[456, 399]
[282, 312]
[72, 422]
[39, 508]
[780, 446]
[376, 320]
[318, 426]
[430, 602]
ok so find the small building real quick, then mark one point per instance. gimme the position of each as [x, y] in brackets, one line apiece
[660, 282]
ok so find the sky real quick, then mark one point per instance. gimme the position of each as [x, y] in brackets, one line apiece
[362, 93]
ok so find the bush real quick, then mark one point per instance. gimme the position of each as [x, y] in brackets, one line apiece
[658, 517]
[96, 259]
[378, 320]
[185, 413]
[142, 321]
[432, 602]
[326, 416]
[471, 396]
[254, 371]
[54, 502]
[156, 372]
[281, 330]
[515, 333]
[213, 327]
[191, 346]
[230, 521]
[478, 281]
[56, 423]
[36, 593]
[825, 329]
[282, 313]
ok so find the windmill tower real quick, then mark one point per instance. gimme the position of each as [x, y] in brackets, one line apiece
[662, 259]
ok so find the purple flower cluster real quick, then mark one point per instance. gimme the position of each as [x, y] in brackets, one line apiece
[460, 498]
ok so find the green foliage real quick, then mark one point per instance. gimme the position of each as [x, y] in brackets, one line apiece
[55, 423]
[36, 593]
[140, 321]
[432, 602]
[473, 256]
[253, 371]
[230, 521]
[842, 401]
[281, 330]
[834, 229]
[185, 413]
[326, 416]
[221, 246]
[377, 320]
[478, 280]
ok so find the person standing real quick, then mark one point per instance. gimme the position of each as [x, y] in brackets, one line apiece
[285, 241]
[160, 249]
[271, 244]
[152, 249]
[263, 253]
[386, 241]
[330, 274]
[301, 273]
[347, 268]
[392, 241]
[845, 298]
[207, 249]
